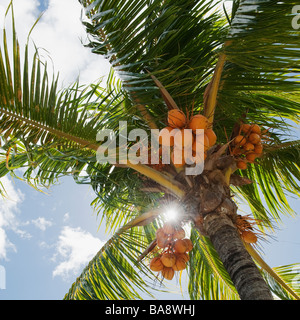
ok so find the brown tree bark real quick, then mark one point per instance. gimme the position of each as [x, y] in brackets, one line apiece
[237, 261]
[214, 213]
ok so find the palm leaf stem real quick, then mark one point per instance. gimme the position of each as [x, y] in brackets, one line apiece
[211, 101]
[58, 133]
[160, 178]
[269, 270]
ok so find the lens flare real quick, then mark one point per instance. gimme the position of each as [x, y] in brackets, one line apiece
[171, 214]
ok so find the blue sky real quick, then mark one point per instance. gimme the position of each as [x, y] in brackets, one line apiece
[32, 266]
[47, 239]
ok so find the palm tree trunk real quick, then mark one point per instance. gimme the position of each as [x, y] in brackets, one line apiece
[237, 261]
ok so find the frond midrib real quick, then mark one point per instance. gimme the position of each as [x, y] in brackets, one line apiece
[58, 133]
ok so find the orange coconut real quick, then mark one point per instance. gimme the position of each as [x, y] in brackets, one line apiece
[179, 233]
[168, 273]
[258, 149]
[180, 264]
[183, 256]
[245, 128]
[212, 138]
[168, 259]
[248, 147]
[255, 128]
[166, 138]
[237, 151]
[156, 264]
[199, 146]
[251, 156]
[239, 140]
[159, 231]
[162, 241]
[177, 157]
[198, 122]
[176, 118]
[249, 236]
[183, 139]
[189, 244]
[161, 238]
[180, 246]
[254, 138]
[168, 228]
[241, 165]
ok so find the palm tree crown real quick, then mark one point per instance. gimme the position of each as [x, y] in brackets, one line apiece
[238, 68]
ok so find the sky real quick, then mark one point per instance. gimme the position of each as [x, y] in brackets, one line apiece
[46, 239]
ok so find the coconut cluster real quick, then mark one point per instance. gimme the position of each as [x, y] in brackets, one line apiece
[180, 143]
[247, 145]
[174, 251]
[245, 228]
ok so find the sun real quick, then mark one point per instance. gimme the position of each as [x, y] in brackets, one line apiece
[171, 213]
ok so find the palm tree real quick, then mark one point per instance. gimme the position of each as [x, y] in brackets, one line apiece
[237, 69]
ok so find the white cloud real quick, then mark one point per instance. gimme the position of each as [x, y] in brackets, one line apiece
[9, 206]
[41, 223]
[75, 248]
[66, 217]
[5, 244]
[61, 33]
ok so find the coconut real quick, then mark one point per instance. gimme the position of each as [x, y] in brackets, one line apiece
[168, 228]
[258, 149]
[175, 157]
[255, 128]
[176, 118]
[168, 259]
[168, 273]
[240, 140]
[254, 138]
[183, 139]
[211, 136]
[179, 233]
[189, 244]
[162, 241]
[198, 122]
[180, 246]
[159, 231]
[200, 147]
[251, 156]
[156, 264]
[165, 137]
[245, 128]
[237, 151]
[249, 236]
[248, 147]
[241, 165]
[180, 264]
[183, 256]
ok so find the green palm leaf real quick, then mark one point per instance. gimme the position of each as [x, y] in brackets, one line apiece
[116, 271]
[175, 41]
[179, 43]
[112, 273]
[208, 280]
[290, 274]
[247, 86]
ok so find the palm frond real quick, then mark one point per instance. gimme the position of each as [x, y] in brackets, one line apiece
[290, 274]
[275, 178]
[208, 279]
[260, 84]
[175, 41]
[114, 273]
